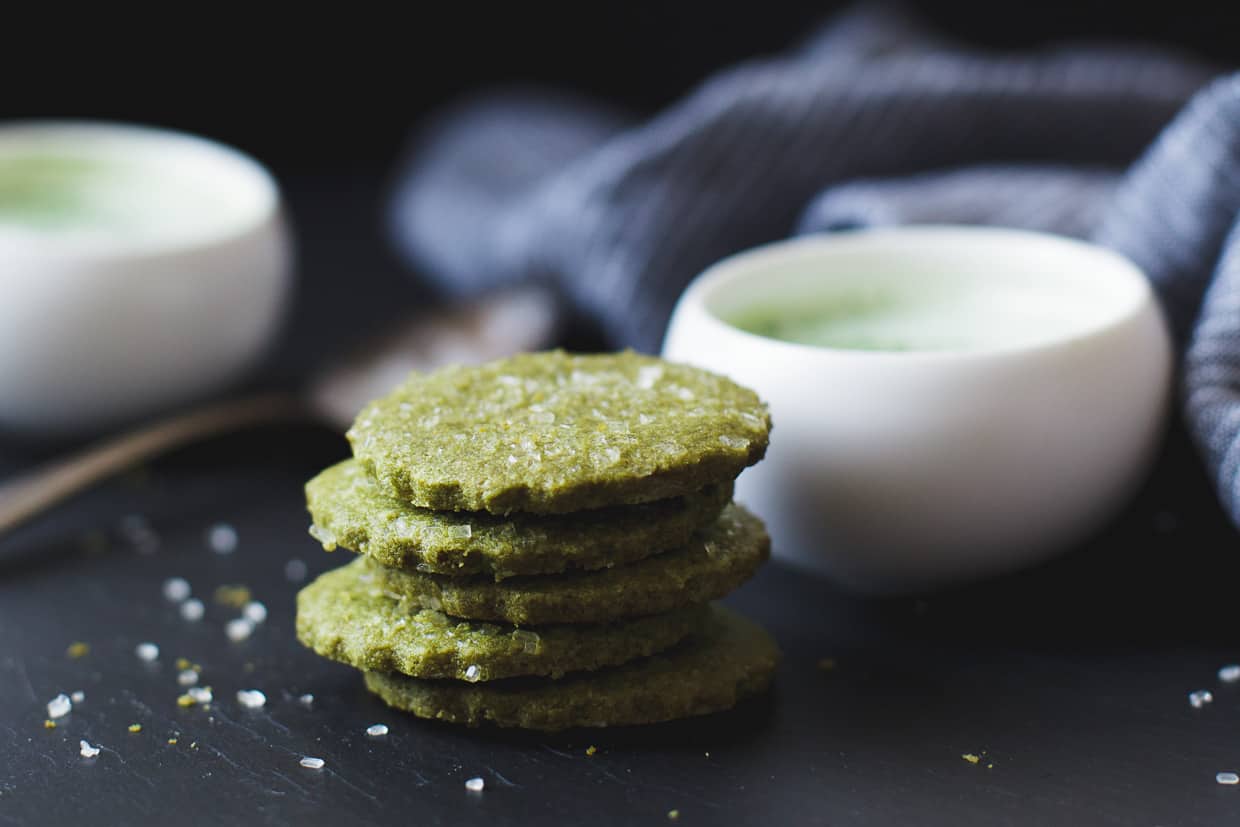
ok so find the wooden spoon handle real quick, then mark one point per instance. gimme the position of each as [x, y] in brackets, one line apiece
[32, 493]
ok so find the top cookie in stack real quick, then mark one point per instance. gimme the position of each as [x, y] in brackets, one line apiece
[552, 433]
[545, 515]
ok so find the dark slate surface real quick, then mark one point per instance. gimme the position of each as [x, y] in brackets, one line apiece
[1071, 680]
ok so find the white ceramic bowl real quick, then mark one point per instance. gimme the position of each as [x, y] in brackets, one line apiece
[898, 471]
[100, 326]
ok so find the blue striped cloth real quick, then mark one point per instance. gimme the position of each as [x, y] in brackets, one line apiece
[871, 121]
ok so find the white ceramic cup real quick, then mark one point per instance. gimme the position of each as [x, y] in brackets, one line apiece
[100, 327]
[898, 471]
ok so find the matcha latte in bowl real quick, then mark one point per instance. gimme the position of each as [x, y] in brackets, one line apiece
[141, 268]
[951, 402]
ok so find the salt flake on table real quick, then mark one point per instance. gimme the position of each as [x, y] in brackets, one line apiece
[255, 612]
[222, 538]
[176, 589]
[59, 707]
[239, 629]
[251, 698]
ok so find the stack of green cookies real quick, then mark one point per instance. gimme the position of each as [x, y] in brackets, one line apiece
[539, 541]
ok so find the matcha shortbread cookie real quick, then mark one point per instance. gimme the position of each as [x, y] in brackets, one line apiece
[714, 563]
[552, 433]
[350, 510]
[346, 616]
[730, 659]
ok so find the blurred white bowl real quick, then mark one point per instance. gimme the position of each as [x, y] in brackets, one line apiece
[897, 471]
[170, 298]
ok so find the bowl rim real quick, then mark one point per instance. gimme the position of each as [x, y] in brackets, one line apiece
[740, 266]
[267, 205]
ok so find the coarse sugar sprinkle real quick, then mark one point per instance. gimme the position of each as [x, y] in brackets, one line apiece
[255, 612]
[176, 589]
[196, 695]
[59, 707]
[238, 629]
[222, 538]
[251, 698]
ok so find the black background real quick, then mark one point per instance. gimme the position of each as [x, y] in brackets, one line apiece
[1072, 678]
[338, 85]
